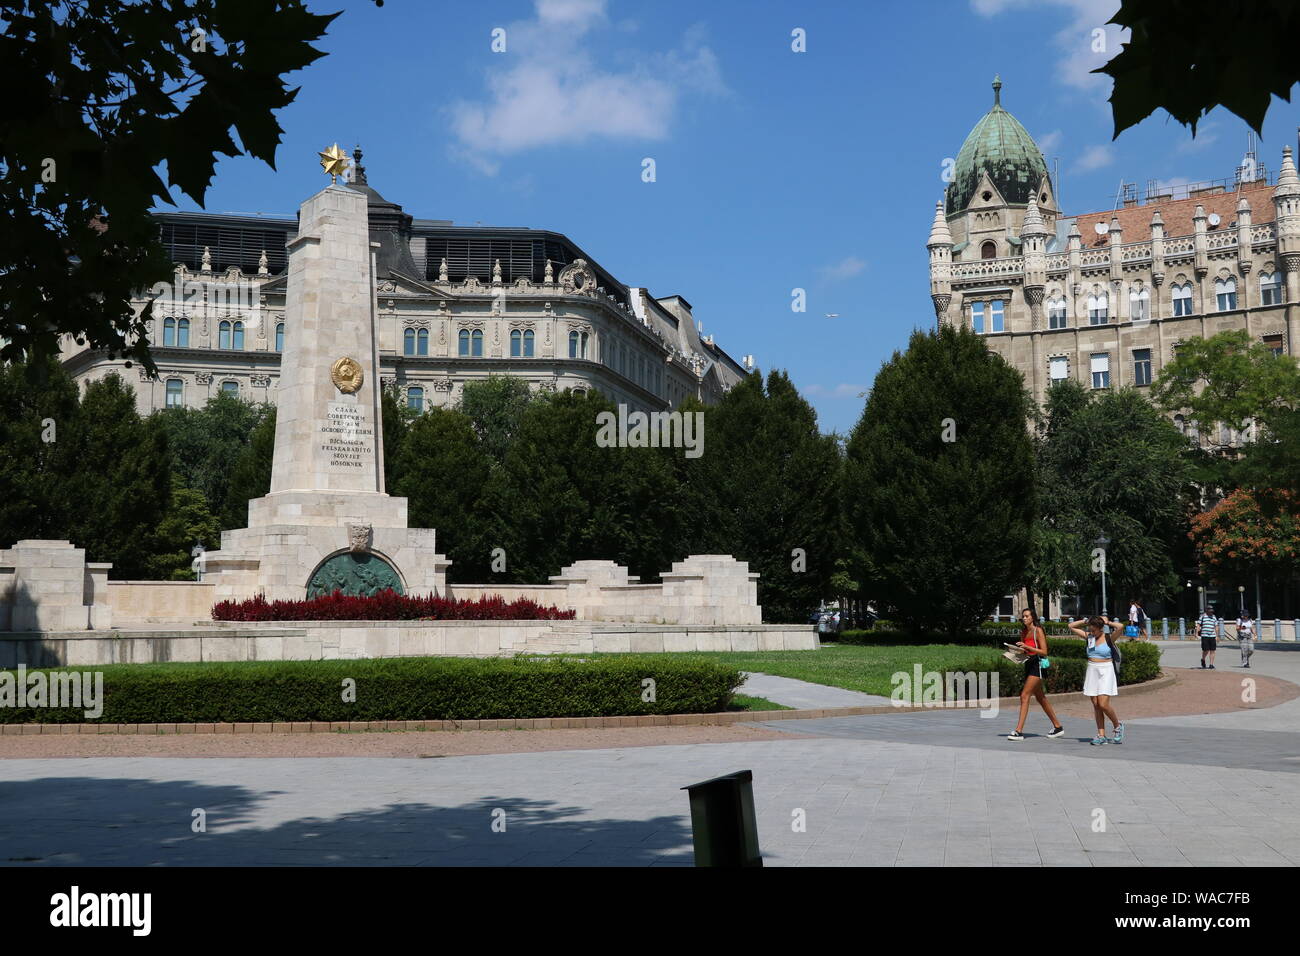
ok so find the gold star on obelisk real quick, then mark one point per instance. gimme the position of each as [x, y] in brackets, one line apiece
[335, 161]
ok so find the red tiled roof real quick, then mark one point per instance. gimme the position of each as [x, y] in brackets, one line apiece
[1177, 214]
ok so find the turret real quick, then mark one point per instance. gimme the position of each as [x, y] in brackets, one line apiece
[1202, 264]
[1243, 245]
[1157, 249]
[1286, 200]
[940, 246]
[1033, 244]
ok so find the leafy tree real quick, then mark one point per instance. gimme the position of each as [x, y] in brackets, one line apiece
[397, 417]
[186, 523]
[250, 475]
[112, 92]
[38, 406]
[558, 496]
[496, 406]
[1112, 464]
[940, 481]
[1249, 533]
[1273, 459]
[444, 475]
[1239, 61]
[206, 441]
[774, 481]
[121, 486]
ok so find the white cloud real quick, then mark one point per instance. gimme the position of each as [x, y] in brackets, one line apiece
[548, 90]
[1050, 141]
[1093, 158]
[846, 268]
[1207, 134]
[1081, 48]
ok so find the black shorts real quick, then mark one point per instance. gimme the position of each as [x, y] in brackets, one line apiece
[1033, 667]
[1209, 644]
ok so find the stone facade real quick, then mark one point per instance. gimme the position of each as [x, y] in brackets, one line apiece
[550, 315]
[1106, 297]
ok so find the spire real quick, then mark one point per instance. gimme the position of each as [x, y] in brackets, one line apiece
[939, 234]
[997, 90]
[358, 171]
[1288, 183]
[1033, 225]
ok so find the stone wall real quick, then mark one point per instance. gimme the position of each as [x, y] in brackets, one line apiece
[369, 639]
[160, 602]
[47, 585]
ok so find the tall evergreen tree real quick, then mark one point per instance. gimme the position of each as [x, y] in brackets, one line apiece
[774, 480]
[250, 475]
[940, 480]
[205, 442]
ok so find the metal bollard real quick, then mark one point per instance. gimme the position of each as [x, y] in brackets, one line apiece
[723, 827]
[1182, 629]
[1164, 628]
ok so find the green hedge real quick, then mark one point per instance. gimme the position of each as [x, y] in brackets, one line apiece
[420, 688]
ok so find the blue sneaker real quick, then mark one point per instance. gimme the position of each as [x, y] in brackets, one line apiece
[1119, 735]
[1098, 741]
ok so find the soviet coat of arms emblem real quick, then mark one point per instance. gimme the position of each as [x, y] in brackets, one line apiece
[346, 375]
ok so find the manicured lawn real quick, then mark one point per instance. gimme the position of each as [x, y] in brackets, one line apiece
[742, 702]
[866, 669]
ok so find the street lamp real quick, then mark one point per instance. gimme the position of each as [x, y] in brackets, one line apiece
[1200, 599]
[1241, 599]
[1101, 542]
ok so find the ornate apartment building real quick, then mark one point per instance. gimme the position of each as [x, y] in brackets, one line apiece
[454, 304]
[1106, 297]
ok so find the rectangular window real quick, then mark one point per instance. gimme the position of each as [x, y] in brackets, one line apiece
[977, 317]
[1275, 344]
[230, 388]
[995, 316]
[1183, 305]
[1227, 301]
[1270, 290]
[1141, 366]
[1100, 366]
[1056, 315]
[1058, 368]
[175, 390]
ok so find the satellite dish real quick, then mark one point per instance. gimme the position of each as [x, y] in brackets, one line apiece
[1101, 228]
[1214, 219]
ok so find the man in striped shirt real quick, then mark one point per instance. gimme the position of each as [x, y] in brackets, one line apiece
[1208, 626]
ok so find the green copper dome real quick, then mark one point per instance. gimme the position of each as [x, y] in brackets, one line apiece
[1000, 146]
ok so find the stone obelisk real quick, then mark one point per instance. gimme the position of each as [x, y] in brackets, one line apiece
[327, 522]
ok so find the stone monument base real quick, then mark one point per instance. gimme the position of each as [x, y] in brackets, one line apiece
[292, 534]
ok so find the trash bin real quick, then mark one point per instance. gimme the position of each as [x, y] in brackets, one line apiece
[722, 821]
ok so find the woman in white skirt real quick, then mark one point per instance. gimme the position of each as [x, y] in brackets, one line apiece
[1100, 682]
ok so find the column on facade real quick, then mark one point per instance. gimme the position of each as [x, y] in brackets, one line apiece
[1243, 253]
[940, 246]
[1202, 260]
[1157, 263]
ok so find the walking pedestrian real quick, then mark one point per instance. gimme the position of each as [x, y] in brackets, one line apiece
[1245, 637]
[1033, 642]
[1208, 627]
[1101, 681]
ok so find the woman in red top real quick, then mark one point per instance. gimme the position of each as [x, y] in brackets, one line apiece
[1033, 641]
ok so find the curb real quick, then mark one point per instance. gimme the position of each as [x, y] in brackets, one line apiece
[538, 723]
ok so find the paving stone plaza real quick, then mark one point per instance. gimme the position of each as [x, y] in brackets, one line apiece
[922, 789]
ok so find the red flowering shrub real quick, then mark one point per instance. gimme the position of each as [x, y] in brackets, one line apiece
[387, 606]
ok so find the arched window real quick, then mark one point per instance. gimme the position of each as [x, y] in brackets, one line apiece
[1183, 299]
[516, 343]
[573, 344]
[175, 393]
[1139, 305]
[1056, 313]
[183, 333]
[989, 250]
[476, 343]
[169, 331]
[422, 342]
[463, 342]
[239, 336]
[528, 343]
[415, 398]
[1225, 294]
[408, 342]
[279, 336]
[1099, 308]
[223, 335]
[1270, 289]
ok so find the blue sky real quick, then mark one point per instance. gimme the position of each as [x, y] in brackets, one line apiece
[774, 169]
